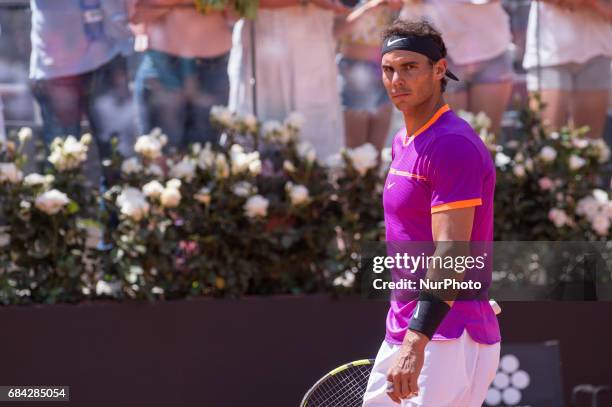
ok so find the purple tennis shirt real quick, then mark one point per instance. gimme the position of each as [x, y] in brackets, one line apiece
[443, 166]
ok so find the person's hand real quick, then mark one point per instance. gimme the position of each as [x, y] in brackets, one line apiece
[405, 371]
[334, 5]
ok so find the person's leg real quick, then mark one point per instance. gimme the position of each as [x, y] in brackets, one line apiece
[355, 127]
[59, 101]
[456, 93]
[554, 84]
[491, 89]
[491, 99]
[590, 99]
[210, 87]
[160, 98]
[362, 95]
[457, 100]
[107, 93]
[379, 124]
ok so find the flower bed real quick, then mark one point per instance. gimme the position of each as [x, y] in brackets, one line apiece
[258, 214]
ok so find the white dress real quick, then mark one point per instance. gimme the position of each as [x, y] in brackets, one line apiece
[295, 71]
[565, 36]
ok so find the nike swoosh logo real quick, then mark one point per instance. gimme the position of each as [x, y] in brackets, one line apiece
[390, 185]
[391, 42]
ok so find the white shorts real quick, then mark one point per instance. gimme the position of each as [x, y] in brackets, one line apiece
[456, 373]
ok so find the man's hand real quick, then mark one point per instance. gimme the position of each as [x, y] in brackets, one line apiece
[405, 372]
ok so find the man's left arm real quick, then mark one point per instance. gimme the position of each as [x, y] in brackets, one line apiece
[451, 230]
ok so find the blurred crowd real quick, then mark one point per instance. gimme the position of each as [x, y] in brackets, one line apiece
[124, 67]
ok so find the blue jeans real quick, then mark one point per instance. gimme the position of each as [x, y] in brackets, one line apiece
[176, 95]
[64, 101]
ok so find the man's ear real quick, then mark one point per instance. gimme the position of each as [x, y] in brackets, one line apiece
[440, 68]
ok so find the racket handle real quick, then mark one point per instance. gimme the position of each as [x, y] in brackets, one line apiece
[495, 306]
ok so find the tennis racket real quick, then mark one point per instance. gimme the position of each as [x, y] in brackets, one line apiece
[342, 387]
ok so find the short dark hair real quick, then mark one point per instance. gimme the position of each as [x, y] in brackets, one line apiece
[420, 28]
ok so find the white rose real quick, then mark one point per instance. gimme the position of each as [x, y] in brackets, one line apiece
[295, 120]
[149, 145]
[68, 154]
[25, 133]
[203, 196]
[131, 166]
[587, 207]
[558, 217]
[548, 154]
[600, 196]
[170, 197]
[554, 135]
[386, 155]
[222, 115]
[256, 206]
[467, 116]
[298, 194]
[502, 160]
[601, 225]
[10, 173]
[153, 189]
[519, 170]
[580, 143]
[110, 289]
[334, 161]
[288, 166]
[38, 179]
[346, 279]
[221, 166]
[155, 170]
[545, 183]
[482, 120]
[5, 239]
[272, 129]
[603, 151]
[242, 161]
[185, 169]
[206, 157]
[529, 164]
[575, 162]
[363, 158]
[174, 183]
[306, 151]
[51, 202]
[243, 189]
[250, 122]
[133, 204]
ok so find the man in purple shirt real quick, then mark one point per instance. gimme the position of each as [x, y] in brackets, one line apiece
[437, 352]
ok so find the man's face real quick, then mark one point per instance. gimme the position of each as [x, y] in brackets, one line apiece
[410, 79]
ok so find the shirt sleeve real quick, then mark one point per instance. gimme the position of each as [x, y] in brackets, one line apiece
[457, 174]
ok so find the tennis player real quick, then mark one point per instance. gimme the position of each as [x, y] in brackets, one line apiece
[437, 352]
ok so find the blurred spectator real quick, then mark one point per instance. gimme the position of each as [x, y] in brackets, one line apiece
[2, 128]
[76, 61]
[478, 37]
[569, 49]
[295, 68]
[184, 70]
[367, 108]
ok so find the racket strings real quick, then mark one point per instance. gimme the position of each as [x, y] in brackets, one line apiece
[344, 389]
